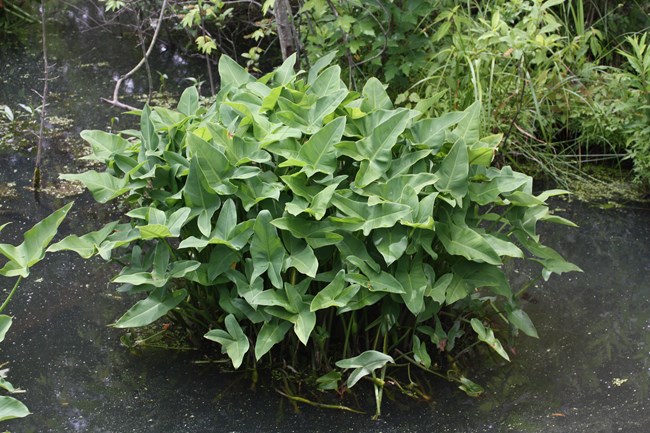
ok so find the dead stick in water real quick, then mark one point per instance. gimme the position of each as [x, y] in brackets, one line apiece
[36, 180]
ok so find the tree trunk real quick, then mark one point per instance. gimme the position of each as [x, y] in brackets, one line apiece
[286, 29]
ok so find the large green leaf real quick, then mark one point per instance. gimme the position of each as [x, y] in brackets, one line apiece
[411, 276]
[149, 137]
[199, 199]
[336, 294]
[328, 81]
[148, 310]
[371, 217]
[431, 132]
[267, 250]
[103, 186]
[304, 324]
[375, 151]
[456, 290]
[232, 74]
[11, 408]
[486, 335]
[304, 261]
[104, 145]
[32, 250]
[5, 324]
[271, 334]
[215, 167]
[318, 154]
[520, 320]
[189, 102]
[86, 245]
[454, 172]
[364, 364]
[468, 127]
[233, 340]
[391, 242]
[463, 241]
[318, 234]
[375, 96]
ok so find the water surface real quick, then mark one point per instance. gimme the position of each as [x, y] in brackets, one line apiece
[588, 372]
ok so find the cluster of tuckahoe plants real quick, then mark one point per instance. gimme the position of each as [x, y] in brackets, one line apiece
[293, 211]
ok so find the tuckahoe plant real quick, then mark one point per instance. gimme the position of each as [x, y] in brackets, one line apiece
[17, 261]
[293, 211]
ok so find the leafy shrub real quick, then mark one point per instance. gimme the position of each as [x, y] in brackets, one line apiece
[295, 211]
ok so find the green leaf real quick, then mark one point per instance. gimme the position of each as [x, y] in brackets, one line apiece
[5, 324]
[520, 320]
[231, 74]
[454, 172]
[329, 381]
[382, 215]
[267, 250]
[468, 128]
[104, 145]
[375, 96]
[32, 250]
[199, 199]
[486, 335]
[304, 323]
[284, 74]
[233, 340]
[318, 234]
[271, 334]
[215, 167]
[150, 138]
[411, 276]
[103, 186]
[329, 81]
[456, 290]
[304, 261]
[189, 102]
[11, 408]
[336, 294]
[364, 364]
[438, 291]
[319, 65]
[318, 154]
[431, 132]
[483, 275]
[148, 310]
[391, 242]
[470, 388]
[463, 241]
[87, 245]
[375, 151]
[420, 352]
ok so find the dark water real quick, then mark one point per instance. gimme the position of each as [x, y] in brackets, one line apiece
[589, 371]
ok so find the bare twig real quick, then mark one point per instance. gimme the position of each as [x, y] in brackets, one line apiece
[36, 181]
[116, 91]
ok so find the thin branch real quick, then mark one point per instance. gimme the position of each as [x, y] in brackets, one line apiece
[116, 91]
[36, 181]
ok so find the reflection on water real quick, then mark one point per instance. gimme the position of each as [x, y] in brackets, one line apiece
[588, 372]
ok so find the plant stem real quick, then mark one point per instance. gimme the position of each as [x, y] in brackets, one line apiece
[11, 294]
[316, 404]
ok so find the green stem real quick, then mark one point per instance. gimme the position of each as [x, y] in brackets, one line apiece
[6, 302]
